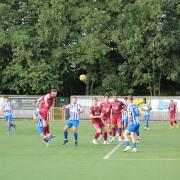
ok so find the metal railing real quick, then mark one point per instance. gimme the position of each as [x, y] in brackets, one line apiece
[24, 106]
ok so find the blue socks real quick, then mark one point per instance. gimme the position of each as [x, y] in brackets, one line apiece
[9, 128]
[147, 123]
[137, 133]
[134, 145]
[127, 143]
[75, 136]
[65, 135]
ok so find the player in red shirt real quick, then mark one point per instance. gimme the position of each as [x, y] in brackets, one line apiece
[106, 114]
[172, 114]
[117, 106]
[95, 115]
[44, 103]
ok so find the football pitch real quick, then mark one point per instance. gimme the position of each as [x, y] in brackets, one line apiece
[23, 155]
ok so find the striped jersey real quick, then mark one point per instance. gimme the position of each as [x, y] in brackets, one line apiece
[39, 118]
[7, 108]
[133, 110]
[146, 108]
[124, 114]
[73, 109]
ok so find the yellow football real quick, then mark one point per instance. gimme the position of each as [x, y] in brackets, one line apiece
[82, 77]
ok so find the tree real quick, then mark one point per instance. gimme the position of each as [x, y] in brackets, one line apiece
[124, 47]
[144, 39]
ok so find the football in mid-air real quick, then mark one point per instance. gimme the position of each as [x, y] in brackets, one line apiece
[82, 77]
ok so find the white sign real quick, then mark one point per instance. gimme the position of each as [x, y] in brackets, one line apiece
[163, 104]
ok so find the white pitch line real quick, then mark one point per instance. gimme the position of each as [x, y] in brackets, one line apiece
[144, 159]
[112, 151]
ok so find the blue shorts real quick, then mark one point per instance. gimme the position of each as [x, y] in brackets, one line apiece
[74, 123]
[8, 118]
[124, 122]
[132, 128]
[40, 130]
[146, 116]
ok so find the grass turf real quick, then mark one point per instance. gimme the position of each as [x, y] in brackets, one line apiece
[23, 155]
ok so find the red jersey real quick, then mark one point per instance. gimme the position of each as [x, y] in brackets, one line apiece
[117, 106]
[106, 109]
[49, 101]
[172, 108]
[95, 111]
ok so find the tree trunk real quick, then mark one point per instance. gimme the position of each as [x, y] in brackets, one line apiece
[87, 88]
[150, 86]
[150, 89]
[91, 88]
[154, 82]
[154, 89]
[159, 83]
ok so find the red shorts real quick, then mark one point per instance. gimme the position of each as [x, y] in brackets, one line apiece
[116, 120]
[98, 125]
[172, 116]
[43, 110]
[44, 114]
[106, 120]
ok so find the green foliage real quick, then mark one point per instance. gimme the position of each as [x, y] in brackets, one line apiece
[124, 47]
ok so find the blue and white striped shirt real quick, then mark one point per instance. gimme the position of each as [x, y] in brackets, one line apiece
[146, 108]
[39, 118]
[7, 108]
[124, 115]
[73, 109]
[133, 109]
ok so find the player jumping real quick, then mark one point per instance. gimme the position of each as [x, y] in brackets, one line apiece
[44, 103]
[133, 126]
[75, 110]
[117, 107]
[8, 108]
[172, 114]
[95, 115]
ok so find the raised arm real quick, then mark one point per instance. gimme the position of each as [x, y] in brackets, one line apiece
[66, 106]
[38, 101]
[46, 97]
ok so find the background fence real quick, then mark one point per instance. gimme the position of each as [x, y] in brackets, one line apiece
[159, 105]
[24, 106]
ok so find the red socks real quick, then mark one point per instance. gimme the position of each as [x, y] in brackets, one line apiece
[171, 123]
[96, 135]
[45, 130]
[105, 136]
[114, 132]
[110, 133]
[119, 131]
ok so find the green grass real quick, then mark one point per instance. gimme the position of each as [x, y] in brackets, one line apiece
[23, 156]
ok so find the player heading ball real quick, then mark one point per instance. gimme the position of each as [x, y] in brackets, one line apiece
[44, 103]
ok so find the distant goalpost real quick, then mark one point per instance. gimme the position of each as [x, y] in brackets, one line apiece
[57, 114]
